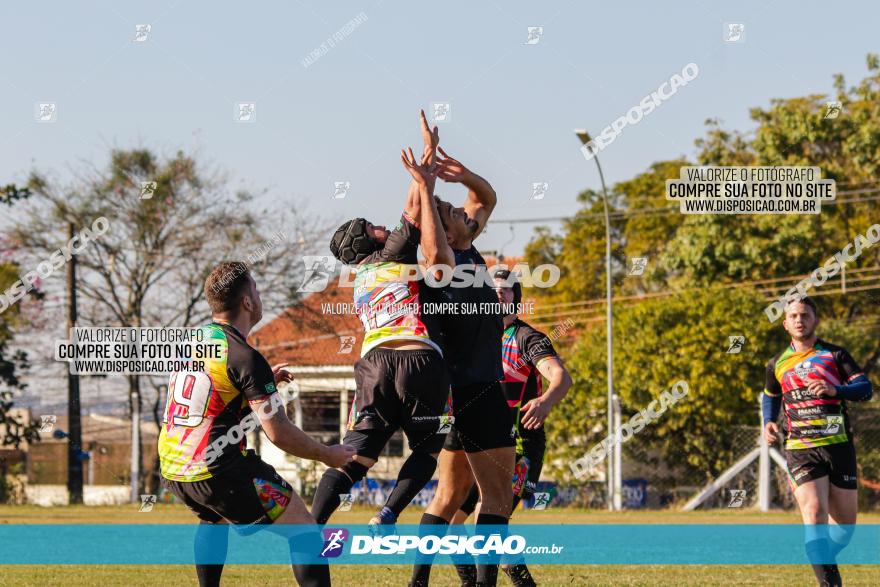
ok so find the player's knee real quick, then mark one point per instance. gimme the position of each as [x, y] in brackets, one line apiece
[814, 512]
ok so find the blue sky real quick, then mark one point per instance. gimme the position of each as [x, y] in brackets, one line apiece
[344, 117]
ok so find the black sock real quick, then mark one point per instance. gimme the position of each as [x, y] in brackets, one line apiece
[332, 483]
[210, 545]
[306, 545]
[422, 569]
[487, 572]
[415, 473]
[520, 576]
[467, 574]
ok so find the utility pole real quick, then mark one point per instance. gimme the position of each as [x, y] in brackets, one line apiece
[74, 439]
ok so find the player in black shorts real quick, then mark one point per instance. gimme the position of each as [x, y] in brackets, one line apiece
[401, 379]
[202, 447]
[813, 380]
[527, 354]
[472, 348]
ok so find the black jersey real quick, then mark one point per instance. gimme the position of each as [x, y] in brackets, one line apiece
[471, 340]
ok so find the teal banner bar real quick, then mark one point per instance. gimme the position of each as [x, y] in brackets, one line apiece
[600, 544]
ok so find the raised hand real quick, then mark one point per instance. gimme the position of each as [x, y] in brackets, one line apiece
[423, 173]
[451, 170]
[431, 140]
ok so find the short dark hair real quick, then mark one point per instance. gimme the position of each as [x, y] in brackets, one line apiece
[807, 301]
[512, 281]
[226, 285]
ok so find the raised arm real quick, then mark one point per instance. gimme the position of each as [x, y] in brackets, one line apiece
[481, 198]
[286, 436]
[430, 139]
[434, 245]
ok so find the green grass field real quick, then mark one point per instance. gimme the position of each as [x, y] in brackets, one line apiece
[442, 576]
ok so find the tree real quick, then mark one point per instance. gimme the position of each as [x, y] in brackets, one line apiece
[657, 343]
[16, 432]
[149, 268]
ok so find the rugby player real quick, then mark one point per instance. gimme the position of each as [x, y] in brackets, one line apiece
[812, 380]
[527, 355]
[401, 379]
[479, 446]
[218, 479]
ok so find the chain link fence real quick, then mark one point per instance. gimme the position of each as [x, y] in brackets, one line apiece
[649, 482]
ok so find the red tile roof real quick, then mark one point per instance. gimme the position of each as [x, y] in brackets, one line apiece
[306, 336]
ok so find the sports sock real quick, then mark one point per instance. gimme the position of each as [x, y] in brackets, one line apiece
[209, 547]
[520, 575]
[332, 483]
[487, 572]
[467, 574]
[414, 474]
[306, 546]
[840, 537]
[422, 569]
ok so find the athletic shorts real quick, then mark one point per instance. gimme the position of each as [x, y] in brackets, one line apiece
[399, 389]
[482, 418]
[247, 494]
[526, 472]
[836, 461]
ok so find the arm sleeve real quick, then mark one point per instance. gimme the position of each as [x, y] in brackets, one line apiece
[857, 390]
[253, 377]
[770, 405]
[771, 401]
[403, 242]
[855, 385]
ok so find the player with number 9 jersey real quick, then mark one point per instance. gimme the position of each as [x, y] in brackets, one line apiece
[204, 406]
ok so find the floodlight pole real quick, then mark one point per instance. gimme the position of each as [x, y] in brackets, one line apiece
[613, 474]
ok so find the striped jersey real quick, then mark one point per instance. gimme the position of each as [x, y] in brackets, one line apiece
[386, 298]
[522, 348]
[812, 420]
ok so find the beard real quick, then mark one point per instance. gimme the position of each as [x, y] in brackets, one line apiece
[806, 335]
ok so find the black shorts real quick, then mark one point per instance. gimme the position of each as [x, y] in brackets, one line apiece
[246, 494]
[399, 389]
[836, 461]
[482, 418]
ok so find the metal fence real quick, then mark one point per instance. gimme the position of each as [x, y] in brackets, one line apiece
[670, 487]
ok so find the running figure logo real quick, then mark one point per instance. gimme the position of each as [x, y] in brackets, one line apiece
[734, 32]
[345, 501]
[334, 539]
[535, 33]
[539, 189]
[340, 189]
[142, 32]
[148, 188]
[318, 269]
[737, 497]
[639, 264]
[147, 502]
[346, 344]
[440, 112]
[47, 423]
[542, 500]
[832, 109]
[736, 344]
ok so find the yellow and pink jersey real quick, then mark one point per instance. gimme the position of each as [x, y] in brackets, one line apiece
[202, 406]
